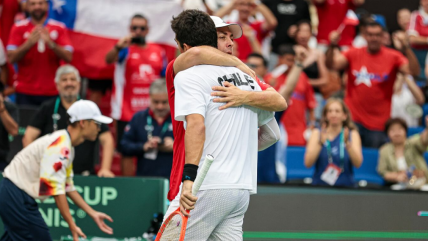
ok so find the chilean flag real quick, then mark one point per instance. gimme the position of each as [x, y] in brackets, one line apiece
[350, 19]
[96, 25]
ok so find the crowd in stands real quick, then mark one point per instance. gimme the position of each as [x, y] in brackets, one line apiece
[350, 85]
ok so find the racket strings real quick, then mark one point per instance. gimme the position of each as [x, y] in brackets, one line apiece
[172, 230]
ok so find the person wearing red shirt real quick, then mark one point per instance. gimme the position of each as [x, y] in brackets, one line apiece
[261, 29]
[138, 65]
[371, 71]
[418, 27]
[331, 14]
[301, 100]
[37, 45]
[268, 99]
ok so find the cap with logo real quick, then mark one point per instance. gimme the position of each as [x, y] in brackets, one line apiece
[234, 27]
[86, 110]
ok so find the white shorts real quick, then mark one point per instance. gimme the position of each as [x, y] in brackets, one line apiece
[218, 215]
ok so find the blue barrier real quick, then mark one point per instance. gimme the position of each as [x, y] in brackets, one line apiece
[367, 171]
[414, 130]
[296, 169]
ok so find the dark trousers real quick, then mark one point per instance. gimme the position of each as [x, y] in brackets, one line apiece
[370, 138]
[34, 100]
[20, 215]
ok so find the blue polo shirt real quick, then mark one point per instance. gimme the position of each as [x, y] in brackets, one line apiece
[136, 134]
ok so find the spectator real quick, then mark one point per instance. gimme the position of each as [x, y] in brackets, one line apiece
[255, 31]
[403, 19]
[418, 32]
[9, 119]
[149, 136]
[288, 13]
[331, 14]
[257, 63]
[397, 157]
[406, 94]
[301, 99]
[336, 148]
[37, 45]
[314, 64]
[138, 64]
[360, 41]
[52, 116]
[371, 72]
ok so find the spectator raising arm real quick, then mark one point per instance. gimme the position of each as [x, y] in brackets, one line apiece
[113, 55]
[414, 88]
[334, 59]
[293, 77]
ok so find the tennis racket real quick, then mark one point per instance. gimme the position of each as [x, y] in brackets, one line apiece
[174, 227]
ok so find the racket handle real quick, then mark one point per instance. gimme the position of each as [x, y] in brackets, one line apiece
[202, 173]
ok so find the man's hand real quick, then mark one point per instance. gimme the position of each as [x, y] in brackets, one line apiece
[44, 34]
[248, 31]
[400, 40]
[301, 53]
[124, 42]
[1, 103]
[34, 36]
[292, 30]
[99, 220]
[105, 173]
[187, 200]
[334, 37]
[76, 232]
[230, 94]
[419, 173]
[151, 144]
[168, 142]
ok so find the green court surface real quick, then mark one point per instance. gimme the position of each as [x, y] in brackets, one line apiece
[335, 235]
[331, 235]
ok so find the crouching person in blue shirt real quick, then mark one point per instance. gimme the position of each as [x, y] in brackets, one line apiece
[148, 136]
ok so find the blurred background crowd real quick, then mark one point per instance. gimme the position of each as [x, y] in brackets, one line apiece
[356, 115]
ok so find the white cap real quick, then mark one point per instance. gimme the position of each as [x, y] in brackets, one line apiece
[234, 27]
[86, 110]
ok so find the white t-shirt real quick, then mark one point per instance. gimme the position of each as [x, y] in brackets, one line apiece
[400, 102]
[231, 135]
[44, 168]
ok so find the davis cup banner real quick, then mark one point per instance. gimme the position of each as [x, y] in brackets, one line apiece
[96, 25]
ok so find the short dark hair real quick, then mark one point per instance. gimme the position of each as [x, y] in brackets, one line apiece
[394, 121]
[257, 55]
[286, 49]
[194, 28]
[374, 24]
[302, 22]
[138, 15]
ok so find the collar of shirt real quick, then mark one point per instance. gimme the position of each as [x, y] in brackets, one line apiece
[152, 114]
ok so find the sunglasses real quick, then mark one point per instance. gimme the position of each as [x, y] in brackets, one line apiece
[142, 28]
[253, 66]
[96, 123]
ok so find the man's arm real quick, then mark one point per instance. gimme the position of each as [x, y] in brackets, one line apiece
[268, 99]
[31, 134]
[334, 58]
[9, 123]
[113, 55]
[60, 51]
[97, 216]
[226, 9]
[194, 140]
[107, 142]
[208, 55]
[401, 43]
[15, 55]
[269, 134]
[62, 204]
